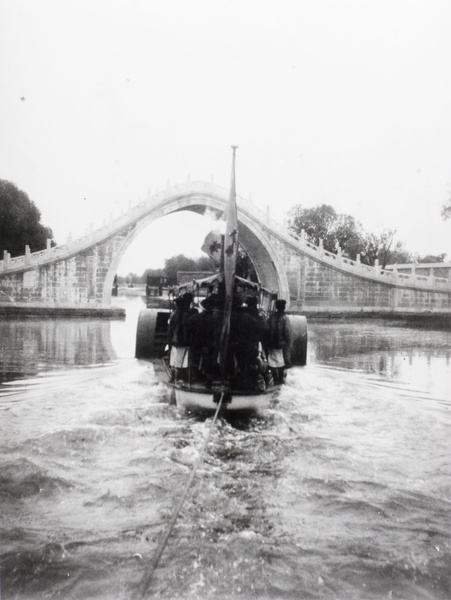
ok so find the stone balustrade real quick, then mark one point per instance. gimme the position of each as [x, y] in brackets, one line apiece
[133, 213]
[210, 195]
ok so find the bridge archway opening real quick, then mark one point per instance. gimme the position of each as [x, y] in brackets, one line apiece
[254, 242]
[181, 232]
[82, 271]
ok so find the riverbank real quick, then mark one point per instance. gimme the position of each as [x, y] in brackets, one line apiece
[422, 320]
[41, 312]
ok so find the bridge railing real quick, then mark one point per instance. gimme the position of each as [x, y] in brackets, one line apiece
[355, 267]
[274, 228]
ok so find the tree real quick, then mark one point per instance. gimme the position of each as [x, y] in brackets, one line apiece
[371, 248]
[386, 241]
[349, 236]
[244, 266]
[20, 222]
[431, 258]
[133, 279]
[318, 223]
[385, 249]
[204, 263]
[343, 231]
[178, 263]
[446, 210]
[398, 256]
[334, 229]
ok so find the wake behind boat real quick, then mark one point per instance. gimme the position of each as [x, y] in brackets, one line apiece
[226, 339]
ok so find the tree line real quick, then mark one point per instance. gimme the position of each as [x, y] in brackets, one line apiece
[171, 267]
[337, 231]
[175, 264]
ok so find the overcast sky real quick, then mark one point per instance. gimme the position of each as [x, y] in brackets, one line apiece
[330, 101]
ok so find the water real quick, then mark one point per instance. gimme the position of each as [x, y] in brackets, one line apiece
[342, 491]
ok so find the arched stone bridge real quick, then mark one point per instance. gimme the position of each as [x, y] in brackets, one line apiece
[80, 273]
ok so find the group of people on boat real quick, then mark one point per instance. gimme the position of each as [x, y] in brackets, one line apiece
[258, 348]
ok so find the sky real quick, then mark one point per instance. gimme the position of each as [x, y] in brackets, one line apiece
[343, 102]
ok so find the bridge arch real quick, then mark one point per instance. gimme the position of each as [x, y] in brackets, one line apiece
[80, 273]
[256, 243]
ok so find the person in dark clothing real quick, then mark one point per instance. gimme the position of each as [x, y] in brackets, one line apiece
[187, 301]
[212, 327]
[174, 321]
[280, 340]
[178, 338]
[249, 335]
[209, 335]
[195, 338]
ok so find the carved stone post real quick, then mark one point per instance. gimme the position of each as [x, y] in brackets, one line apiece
[303, 237]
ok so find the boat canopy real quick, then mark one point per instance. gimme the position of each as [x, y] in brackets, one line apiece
[196, 284]
[255, 286]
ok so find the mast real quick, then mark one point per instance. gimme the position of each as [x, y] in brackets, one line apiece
[230, 252]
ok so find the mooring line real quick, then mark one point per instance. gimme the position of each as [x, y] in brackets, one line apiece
[144, 585]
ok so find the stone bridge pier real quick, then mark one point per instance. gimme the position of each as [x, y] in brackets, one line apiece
[79, 274]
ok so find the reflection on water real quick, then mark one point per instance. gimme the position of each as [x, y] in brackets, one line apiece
[419, 357]
[393, 351]
[31, 346]
[373, 346]
[330, 341]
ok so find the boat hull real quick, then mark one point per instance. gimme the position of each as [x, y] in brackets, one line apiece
[198, 397]
[207, 400]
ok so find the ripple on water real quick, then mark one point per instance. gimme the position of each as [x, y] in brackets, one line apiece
[22, 478]
[340, 491]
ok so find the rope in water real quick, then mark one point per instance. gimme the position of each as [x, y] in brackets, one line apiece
[144, 585]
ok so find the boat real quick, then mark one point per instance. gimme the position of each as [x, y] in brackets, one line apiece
[218, 371]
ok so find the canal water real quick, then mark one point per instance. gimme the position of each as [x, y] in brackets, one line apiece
[341, 491]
